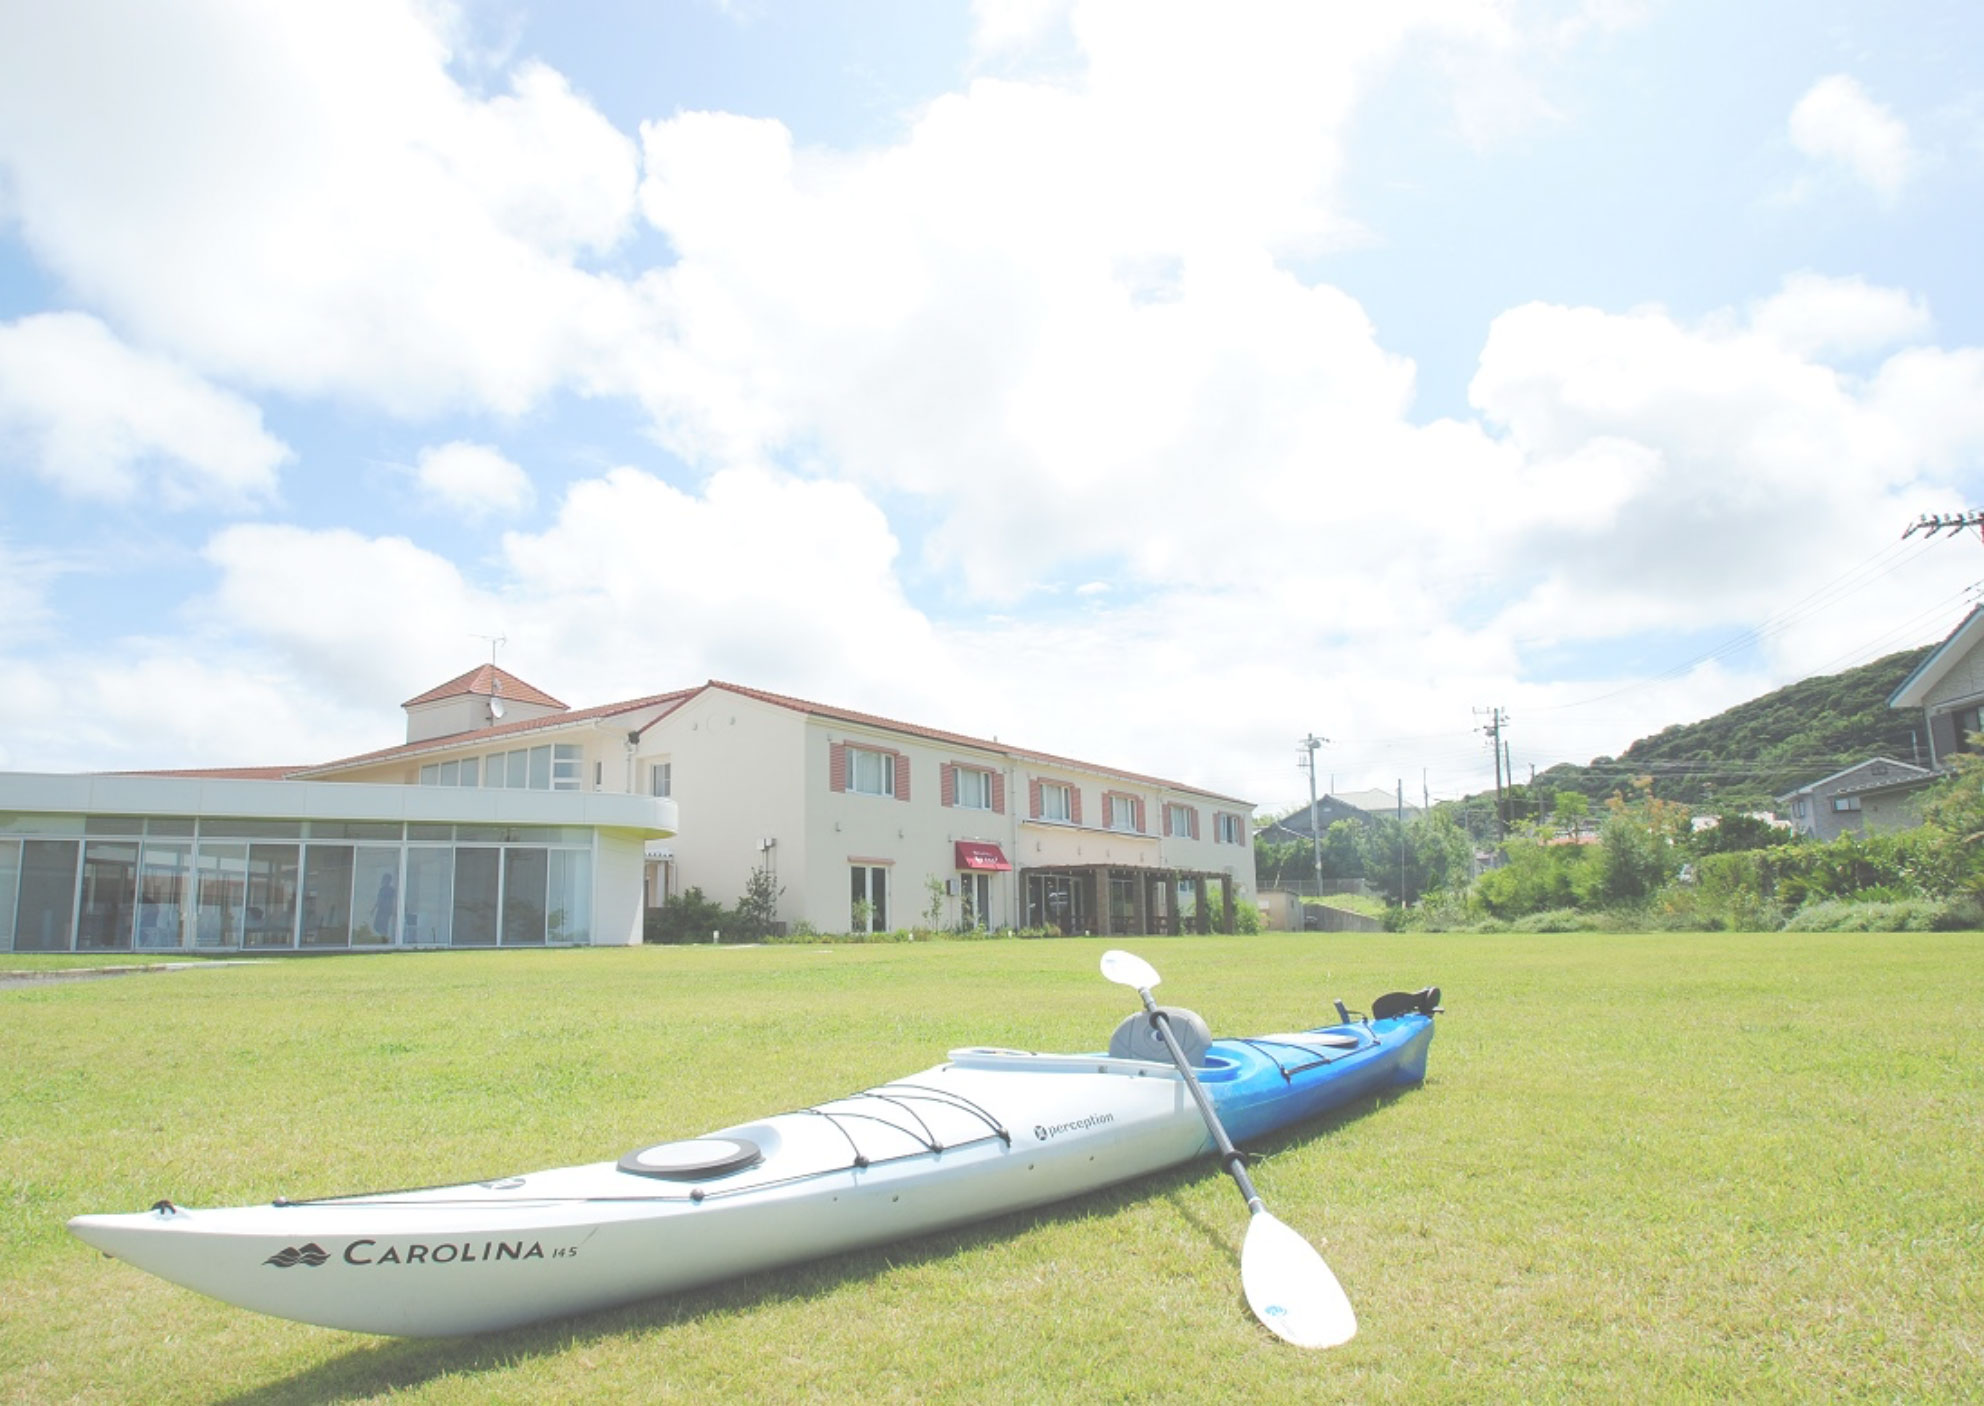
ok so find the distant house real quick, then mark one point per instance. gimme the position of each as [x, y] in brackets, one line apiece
[1948, 687]
[1884, 794]
[1360, 806]
[1870, 796]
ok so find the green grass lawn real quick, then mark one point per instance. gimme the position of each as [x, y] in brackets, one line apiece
[1643, 1168]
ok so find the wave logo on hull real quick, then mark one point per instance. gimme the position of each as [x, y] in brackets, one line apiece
[289, 1256]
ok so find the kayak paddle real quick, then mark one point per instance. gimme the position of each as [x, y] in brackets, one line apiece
[1286, 1282]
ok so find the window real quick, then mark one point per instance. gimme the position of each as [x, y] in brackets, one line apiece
[871, 773]
[1226, 829]
[1798, 809]
[1845, 803]
[465, 772]
[868, 898]
[1181, 821]
[1124, 813]
[974, 789]
[567, 759]
[1969, 722]
[1055, 802]
[661, 779]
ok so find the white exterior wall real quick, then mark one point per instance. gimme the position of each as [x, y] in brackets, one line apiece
[618, 915]
[735, 771]
[744, 771]
[916, 839]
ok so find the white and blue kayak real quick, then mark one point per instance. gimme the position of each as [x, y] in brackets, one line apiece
[987, 1132]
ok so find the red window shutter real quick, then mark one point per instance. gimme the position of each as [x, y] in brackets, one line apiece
[947, 784]
[1137, 805]
[837, 766]
[1167, 822]
[902, 776]
[1194, 813]
[1033, 797]
[998, 794]
[1074, 804]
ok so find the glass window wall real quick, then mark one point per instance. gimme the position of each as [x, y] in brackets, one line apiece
[47, 913]
[478, 876]
[165, 893]
[568, 900]
[428, 912]
[524, 874]
[272, 877]
[10, 889]
[223, 893]
[327, 895]
[109, 896]
[149, 885]
[375, 889]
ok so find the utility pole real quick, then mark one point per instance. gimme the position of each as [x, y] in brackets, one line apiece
[1929, 524]
[1308, 764]
[1497, 720]
[1403, 897]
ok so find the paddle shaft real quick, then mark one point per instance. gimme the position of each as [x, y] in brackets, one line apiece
[1230, 1156]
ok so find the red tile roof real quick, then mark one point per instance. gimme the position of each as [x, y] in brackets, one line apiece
[932, 734]
[501, 731]
[484, 682]
[671, 701]
[223, 773]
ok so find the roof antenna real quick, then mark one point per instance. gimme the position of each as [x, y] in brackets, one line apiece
[495, 642]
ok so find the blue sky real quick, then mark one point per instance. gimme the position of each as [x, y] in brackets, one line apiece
[1145, 382]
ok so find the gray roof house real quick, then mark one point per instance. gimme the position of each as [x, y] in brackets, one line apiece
[1948, 687]
[1884, 794]
[1874, 795]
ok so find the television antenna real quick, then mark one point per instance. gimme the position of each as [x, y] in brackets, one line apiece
[495, 642]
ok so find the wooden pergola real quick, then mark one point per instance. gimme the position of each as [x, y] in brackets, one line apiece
[1152, 909]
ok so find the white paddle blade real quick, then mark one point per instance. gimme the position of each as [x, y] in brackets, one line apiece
[1290, 1289]
[1128, 969]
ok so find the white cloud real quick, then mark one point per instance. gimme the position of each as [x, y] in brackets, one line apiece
[473, 480]
[100, 420]
[1836, 123]
[1055, 322]
[1813, 316]
[1747, 454]
[300, 197]
[351, 617]
[760, 579]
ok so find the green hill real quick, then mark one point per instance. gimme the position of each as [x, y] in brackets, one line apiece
[1743, 757]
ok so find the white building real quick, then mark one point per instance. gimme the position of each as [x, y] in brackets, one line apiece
[560, 826]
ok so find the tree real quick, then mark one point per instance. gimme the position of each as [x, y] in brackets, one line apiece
[757, 910]
[1572, 810]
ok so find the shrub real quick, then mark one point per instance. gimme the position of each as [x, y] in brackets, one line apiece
[1833, 915]
[685, 917]
[1559, 920]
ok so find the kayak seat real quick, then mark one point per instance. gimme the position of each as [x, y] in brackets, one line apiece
[1137, 1037]
[1424, 1001]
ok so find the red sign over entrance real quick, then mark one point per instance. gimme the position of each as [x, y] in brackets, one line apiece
[972, 855]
